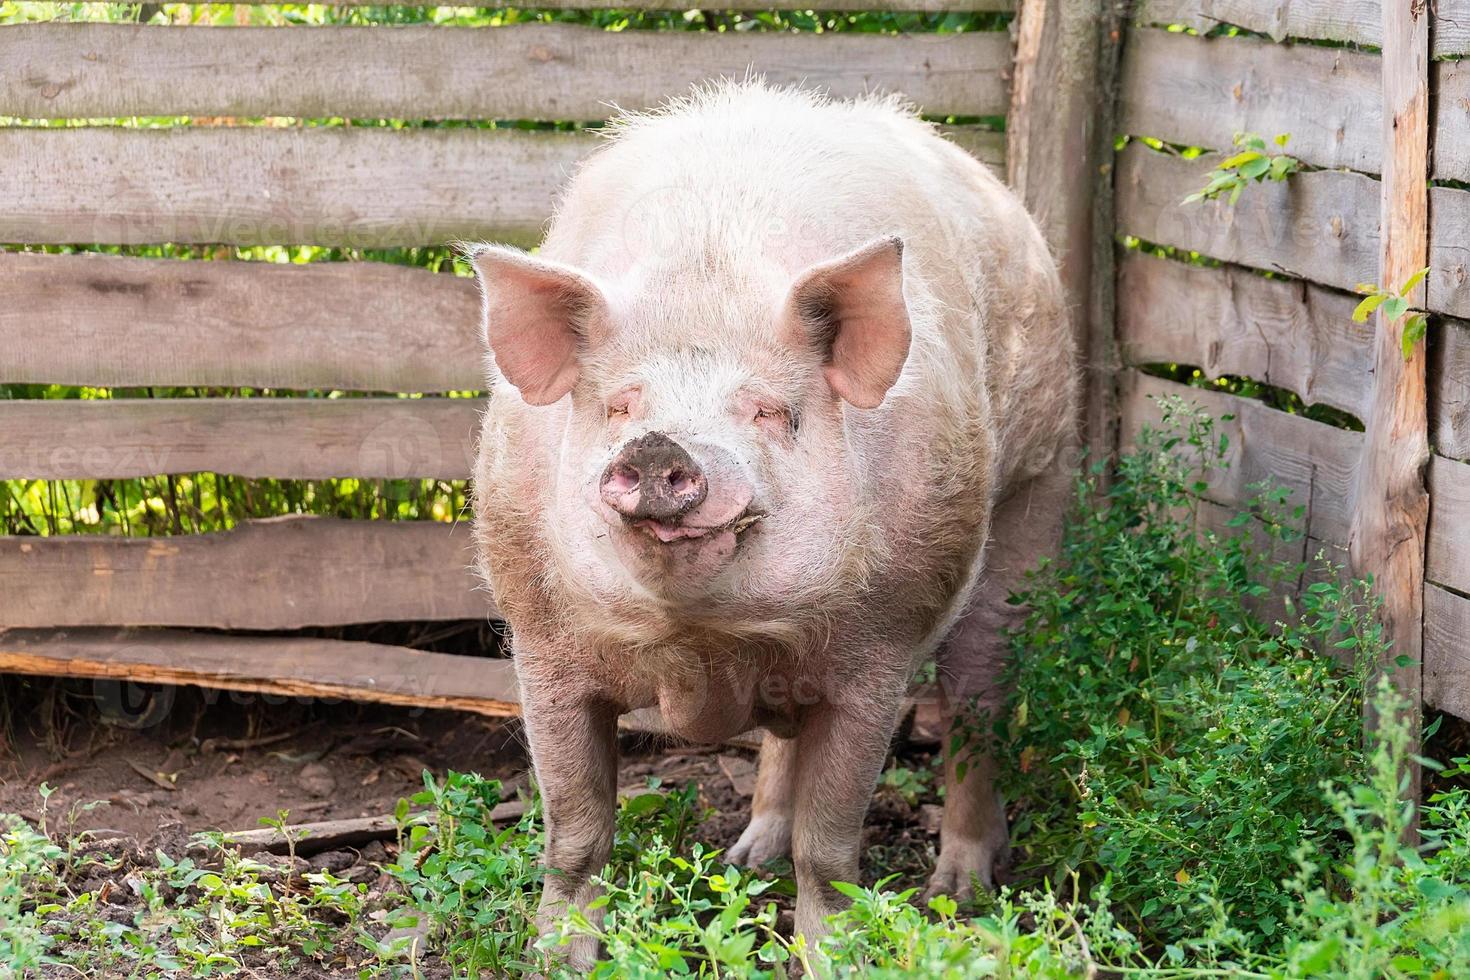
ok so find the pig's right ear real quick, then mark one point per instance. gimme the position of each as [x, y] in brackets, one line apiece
[537, 316]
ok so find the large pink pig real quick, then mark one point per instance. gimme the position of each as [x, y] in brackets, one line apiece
[781, 369]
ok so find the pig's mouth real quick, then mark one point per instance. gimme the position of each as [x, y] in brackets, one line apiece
[669, 533]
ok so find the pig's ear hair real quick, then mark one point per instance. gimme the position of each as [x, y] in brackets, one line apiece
[853, 308]
[537, 314]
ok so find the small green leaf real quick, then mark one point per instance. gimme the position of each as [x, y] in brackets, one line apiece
[1366, 307]
[1395, 307]
[1413, 281]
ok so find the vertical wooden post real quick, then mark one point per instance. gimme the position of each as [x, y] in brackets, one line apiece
[1391, 510]
[1056, 131]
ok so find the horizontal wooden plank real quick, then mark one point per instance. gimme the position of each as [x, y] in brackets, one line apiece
[1447, 651]
[278, 438]
[524, 71]
[1321, 225]
[297, 667]
[951, 6]
[1196, 91]
[107, 320]
[361, 187]
[280, 573]
[1228, 320]
[1353, 21]
[1447, 554]
[1449, 389]
[1313, 460]
[1201, 92]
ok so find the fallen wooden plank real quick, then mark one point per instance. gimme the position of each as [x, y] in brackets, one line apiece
[524, 71]
[1321, 226]
[1448, 548]
[353, 186]
[278, 438]
[1229, 320]
[1449, 388]
[1317, 462]
[1196, 91]
[1353, 21]
[279, 573]
[330, 835]
[295, 667]
[327, 325]
[1446, 651]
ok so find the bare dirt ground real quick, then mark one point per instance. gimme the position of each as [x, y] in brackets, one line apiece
[208, 760]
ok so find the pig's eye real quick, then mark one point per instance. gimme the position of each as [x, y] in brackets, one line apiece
[771, 415]
[617, 411]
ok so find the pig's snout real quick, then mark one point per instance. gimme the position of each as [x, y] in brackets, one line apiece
[653, 478]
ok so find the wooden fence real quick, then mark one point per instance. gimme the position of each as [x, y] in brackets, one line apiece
[1268, 295]
[1263, 289]
[104, 606]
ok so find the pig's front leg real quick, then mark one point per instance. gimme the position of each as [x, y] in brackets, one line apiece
[573, 742]
[840, 753]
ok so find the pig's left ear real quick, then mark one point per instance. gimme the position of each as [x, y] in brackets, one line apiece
[537, 317]
[853, 308]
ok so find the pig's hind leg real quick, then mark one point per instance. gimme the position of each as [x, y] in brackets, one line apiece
[973, 838]
[773, 808]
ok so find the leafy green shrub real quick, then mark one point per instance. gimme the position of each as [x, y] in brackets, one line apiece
[1168, 736]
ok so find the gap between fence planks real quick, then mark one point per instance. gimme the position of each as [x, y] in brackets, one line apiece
[523, 71]
[367, 326]
[288, 667]
[1353, 21]
[275, 438]
[1282, 332]
[356, 187]
[277, 573]
[1321, 226]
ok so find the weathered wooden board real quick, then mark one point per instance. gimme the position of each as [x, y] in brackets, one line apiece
[1449, 388]
[107, 320]
[1354, 21]
[279, 438]
[350, 186]
[1229, 320]
[296, 667]
[1448, 547]
[524, 71]
[1321, 225]
[359, 187]
[1315, 461]
[1201, 92]
[1446, 651]
[280, 573]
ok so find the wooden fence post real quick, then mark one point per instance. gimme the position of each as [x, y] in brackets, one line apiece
[1058, 136]
[1391, 509]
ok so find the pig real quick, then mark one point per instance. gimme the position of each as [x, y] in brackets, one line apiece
[781, 369]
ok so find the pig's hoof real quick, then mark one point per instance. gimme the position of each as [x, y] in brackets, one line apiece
[766, 838]
[963, 866]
